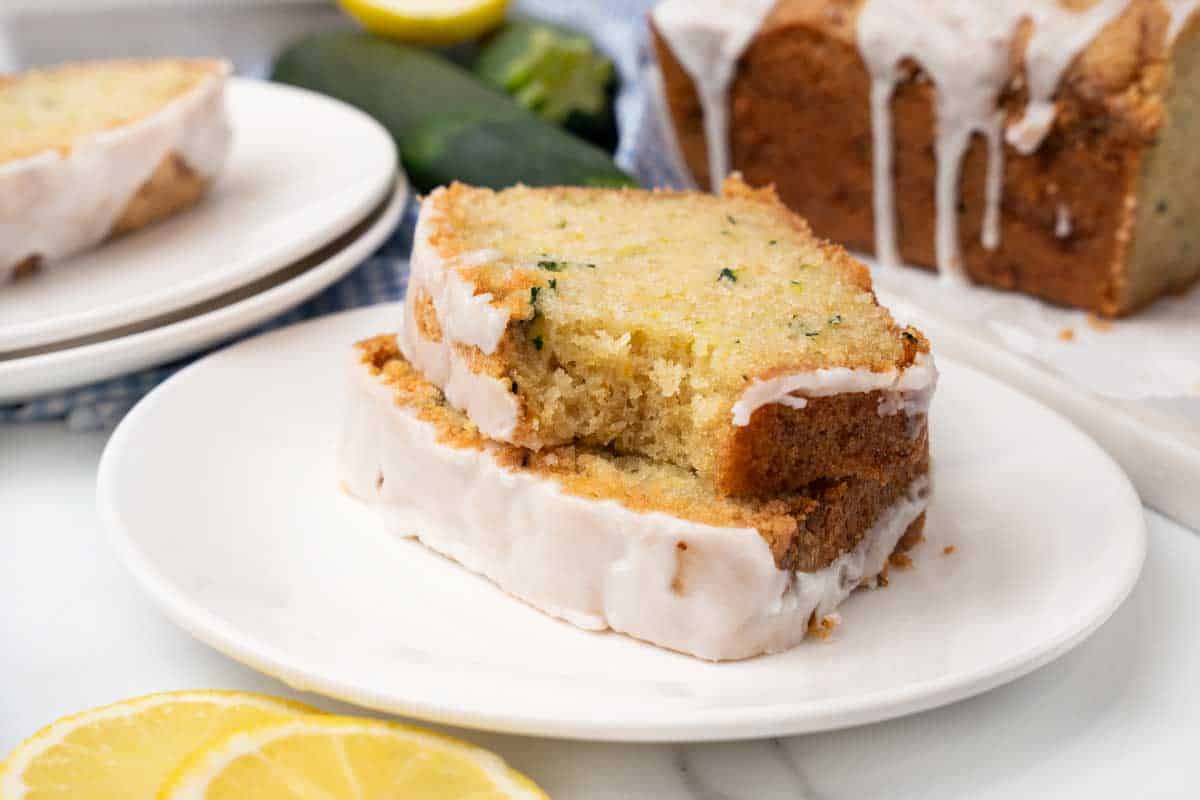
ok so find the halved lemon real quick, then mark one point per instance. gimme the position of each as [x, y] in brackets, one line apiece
[427, 21]
[335, 757]
[126, 750]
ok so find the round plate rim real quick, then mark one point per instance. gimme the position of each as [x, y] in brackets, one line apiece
[29, 377]
[202, 287]
[710, 724]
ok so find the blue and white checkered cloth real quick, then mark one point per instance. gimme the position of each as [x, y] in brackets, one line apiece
[618, 28]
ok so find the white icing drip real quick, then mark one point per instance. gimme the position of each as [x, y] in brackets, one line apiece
[909, 390]
[656, 88]
[465, 318]
[990, 236]
[958, 44]
[1059, 35]
[55, 205]
[883, 198]
[708, 37]
[1181, 11]
[595, 563]
[1062, 221]
[965, 48]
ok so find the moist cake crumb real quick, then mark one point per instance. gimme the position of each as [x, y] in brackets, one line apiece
[716, 334]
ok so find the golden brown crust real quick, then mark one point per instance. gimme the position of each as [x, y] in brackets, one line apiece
[803, 69]
[443, 236]
[844, 512]
[172, 187]
[806, 529]
[784, 449]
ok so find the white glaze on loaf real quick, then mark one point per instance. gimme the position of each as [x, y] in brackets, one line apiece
[909, 390]
[54, 205]
[964, 46]
[595, 563]
[708, 39]
[466, 319]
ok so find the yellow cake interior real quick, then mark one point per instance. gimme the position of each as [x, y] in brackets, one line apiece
[642, 317]
[49, 109]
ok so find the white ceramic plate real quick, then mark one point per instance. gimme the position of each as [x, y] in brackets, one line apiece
[194, 328]
[221, 493]
[1159, 451]
[304, 169]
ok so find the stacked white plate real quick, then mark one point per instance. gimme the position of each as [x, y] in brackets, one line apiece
[312, 188]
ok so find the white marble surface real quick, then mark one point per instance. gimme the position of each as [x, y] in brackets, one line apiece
[1117, 718]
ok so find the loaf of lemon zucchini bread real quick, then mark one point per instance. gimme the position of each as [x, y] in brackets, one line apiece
[714, 334]
[94, 150]
[1043, 146]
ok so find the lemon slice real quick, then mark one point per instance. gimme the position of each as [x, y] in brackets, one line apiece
[336, 757]
[427, 21]
[126, 750]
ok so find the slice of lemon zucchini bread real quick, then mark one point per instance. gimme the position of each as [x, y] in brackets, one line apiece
[610, 541]
[94, 150]
[712, 333]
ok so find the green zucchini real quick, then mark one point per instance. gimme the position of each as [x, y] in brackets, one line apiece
[556, 73]
[447, 125]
